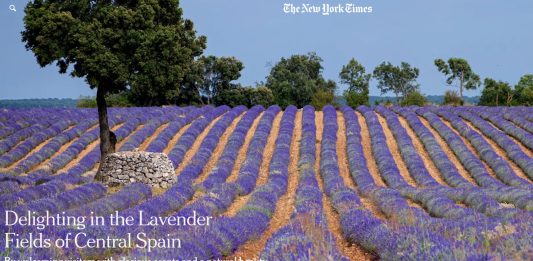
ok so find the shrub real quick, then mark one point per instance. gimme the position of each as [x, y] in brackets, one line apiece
[414, 98]
[452, 98]
[113, 100]
[86, 102]
[262, 96]
[322, 98]
[354, 99]
[246, 96]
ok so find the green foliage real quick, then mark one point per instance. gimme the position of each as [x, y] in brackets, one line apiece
[353, 74]
[458, 69]
[144, 45]
[322, 98]
[414, 98]
[262, 96]
[401, 80]
[452, 98]
[216, 75]
[87, 102]
[523, 93]
[232, 97]
[189, 92]
[384, 102]
[354, 99]
[496, 93]
[38, 103]
[296, 80]
[246, 96]
[121, 99]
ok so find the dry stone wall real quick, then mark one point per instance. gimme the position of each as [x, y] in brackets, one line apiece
[154, 169]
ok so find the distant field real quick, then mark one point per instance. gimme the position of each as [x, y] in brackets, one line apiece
[71, 103]
[38, 103]
[412, 183]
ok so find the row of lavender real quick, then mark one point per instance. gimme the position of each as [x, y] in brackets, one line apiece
[228, 232]
[160, 209]
[91, 158]
[307, 233]
[70, 191]
[390, 201]
[449, 232]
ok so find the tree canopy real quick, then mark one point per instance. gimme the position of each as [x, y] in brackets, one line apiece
[354, 75]
[217, 73]
[496, 93]
[458, 69]
[297, 79]
[524, 91]
[400, 80]
[414, 98]
[247, 96]
[145, 46]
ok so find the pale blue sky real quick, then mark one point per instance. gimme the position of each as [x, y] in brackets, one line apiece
[495, 36]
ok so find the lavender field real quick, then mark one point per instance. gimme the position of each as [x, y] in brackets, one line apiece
[366, 183]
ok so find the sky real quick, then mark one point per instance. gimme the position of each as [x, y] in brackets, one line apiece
[495, 36]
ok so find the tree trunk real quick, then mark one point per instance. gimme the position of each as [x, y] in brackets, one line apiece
[200, 97]
[107, 144]
[461, 89]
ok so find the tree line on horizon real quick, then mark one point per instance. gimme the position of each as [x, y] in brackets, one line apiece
[298, 80]
[144, 53]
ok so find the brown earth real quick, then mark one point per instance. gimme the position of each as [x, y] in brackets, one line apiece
[35, 149]
[219, 148]
[345, 170]
[526, 150]
[86, 151]
[215, 155]
[263, 169]
[241, 156]
[285, 206]
[449, 152]
[353, 251]
[62, 149]
[393, 148]
[367, 150]
[175, 138]
[501, 152]
[414, 204]
[469, 146]
[152, 137]
[195, 146]
[119, 144]
[419, 146]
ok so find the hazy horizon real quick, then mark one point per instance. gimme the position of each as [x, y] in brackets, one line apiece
[491, 35]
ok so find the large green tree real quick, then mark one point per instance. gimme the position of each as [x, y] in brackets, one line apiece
[496, 93]
[458, 69]
[523, 93]
[298, 80]
[146, 46]
[354, 75]
[401, 80]
[217, 74]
